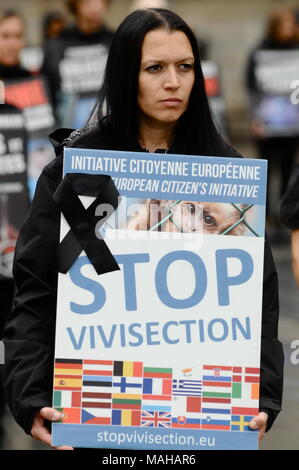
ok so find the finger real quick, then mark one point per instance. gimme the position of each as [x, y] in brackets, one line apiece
[254, 424]
[50, 414]
[259, 421]
[261, 435]
[64, 448]
[41, 433]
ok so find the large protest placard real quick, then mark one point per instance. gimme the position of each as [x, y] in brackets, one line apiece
[14, 197]
[31, 96]
[164, 353]
[274, 73]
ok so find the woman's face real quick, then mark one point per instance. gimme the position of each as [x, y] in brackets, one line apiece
[92, 10]
[166, 76]
[287, 27]
[11, 40]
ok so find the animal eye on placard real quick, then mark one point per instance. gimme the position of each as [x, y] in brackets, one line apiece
[190, 207]
[209, 220]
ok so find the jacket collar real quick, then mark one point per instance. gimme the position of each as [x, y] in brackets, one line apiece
[58, 137]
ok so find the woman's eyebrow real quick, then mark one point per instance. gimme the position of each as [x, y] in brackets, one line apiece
[155, 59]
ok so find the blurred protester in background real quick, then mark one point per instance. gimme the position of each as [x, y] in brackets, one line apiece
[12, 38]
[53, 24]
[89, 18]
[26, 91]
[289, 213]
[12, 41]
[72, 59]
[297, 24]
[275, 121]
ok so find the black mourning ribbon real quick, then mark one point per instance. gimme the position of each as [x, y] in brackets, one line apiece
[83, 222]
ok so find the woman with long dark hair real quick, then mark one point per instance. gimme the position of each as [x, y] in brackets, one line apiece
[195, 131]
[155, 99]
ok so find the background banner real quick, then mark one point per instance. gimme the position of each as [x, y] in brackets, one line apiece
[14, 198]
[275, 71]
[31, 96]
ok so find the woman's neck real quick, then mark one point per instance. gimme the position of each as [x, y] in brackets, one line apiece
[154, 137]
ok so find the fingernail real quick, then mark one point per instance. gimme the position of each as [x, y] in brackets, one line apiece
[56, 415]
[253, 424]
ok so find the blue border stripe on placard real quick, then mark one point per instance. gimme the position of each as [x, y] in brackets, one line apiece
[130, 437]
[164, 191]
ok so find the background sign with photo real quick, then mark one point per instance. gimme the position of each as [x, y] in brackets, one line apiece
[212, 77]
[14, 198]
[271, 104]
[75, 109]
[81, 72]
[165, 352]
[31, 96]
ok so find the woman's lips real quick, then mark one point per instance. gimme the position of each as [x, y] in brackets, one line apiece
[171, 101]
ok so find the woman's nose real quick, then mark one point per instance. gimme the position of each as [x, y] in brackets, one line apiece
[172, 79]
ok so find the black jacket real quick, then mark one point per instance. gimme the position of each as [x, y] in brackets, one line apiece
[14, 72]
[29, 332]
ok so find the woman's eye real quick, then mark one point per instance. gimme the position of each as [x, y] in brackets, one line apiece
[186, 67]
[153, 68]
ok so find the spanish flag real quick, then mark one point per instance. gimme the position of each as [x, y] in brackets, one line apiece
[68, 374]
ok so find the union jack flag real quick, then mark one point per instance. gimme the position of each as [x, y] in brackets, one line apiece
[156, 419]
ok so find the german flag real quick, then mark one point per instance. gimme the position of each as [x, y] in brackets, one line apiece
[68, 366]
[68, 374]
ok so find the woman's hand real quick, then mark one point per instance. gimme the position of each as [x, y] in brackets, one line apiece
[40, 432]
[259, 422]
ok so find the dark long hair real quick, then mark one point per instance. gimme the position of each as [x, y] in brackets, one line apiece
[196, 132]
